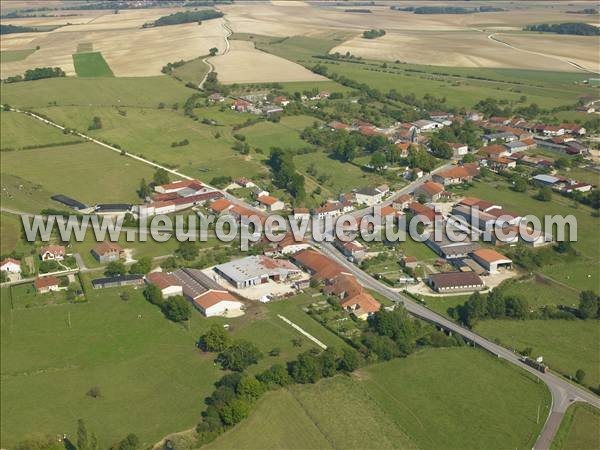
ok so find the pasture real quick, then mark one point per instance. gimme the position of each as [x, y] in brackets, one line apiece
[389, 405]
[19, 130]
[150, 133]
[142, 92]
[285, 134]
[85, 172]
[152, 378]
[579, 429]
[91, 65]
[192, 71]
[566, 345]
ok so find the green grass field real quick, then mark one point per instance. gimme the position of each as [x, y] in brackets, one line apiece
[73, 91]
[566, 345]
[150, 133]
[19, 130]
[86, 172]
[91, 65]
[285, 134]
[579, 429]
[404, 403]
[192, 71]
[15, 55]
[152, 378]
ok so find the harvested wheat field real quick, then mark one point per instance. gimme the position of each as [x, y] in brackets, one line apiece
[244, 64]
[128, 49]
[477, 49]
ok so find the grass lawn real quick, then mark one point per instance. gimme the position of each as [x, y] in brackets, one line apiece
[341, 177]
[539, 292]
[107, 91]
[566, 345]
[192, 71]
[578, 429]
[85, 172]
[150, 132]
[15, 55]
[10, 235]
[292, 308]
[19, 130]
[284, 134]
[91, 65]
[403, 403]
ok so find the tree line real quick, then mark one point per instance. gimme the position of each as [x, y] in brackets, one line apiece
[373, 34]
[185, 17]
[575, 28]
[37, 74]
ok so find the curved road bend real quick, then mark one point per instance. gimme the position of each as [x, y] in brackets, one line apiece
[211, 67]
[563, 392]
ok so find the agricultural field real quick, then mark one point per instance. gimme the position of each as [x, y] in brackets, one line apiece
[566, 345]
[390, 407]
[91, 65]
[258, 67]
[15, 55]
[129, 49]
[37, 134]
[85, 172]
[151, 376]
[578, 429]
[145, 92]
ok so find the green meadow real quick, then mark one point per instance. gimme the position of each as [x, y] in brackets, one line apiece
[417, 402]
[91, 64]
[19, 130]
[579, 429]
[15, 55]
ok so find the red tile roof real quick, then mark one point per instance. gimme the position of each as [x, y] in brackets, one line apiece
[432, 188]
[56, 250]
[45, 282]
[321, 266]
[212, 298]
[106, 247]
[488, 255]
[162, 280]
[267, 200]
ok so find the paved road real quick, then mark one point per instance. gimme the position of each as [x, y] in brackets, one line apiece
[563, 392]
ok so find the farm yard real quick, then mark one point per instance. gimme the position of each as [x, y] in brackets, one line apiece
[391, 408]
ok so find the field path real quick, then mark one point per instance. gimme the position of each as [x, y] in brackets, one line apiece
[211, 67]
[304, 332]
[492, 37]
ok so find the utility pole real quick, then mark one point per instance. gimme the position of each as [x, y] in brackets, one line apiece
[69, 318]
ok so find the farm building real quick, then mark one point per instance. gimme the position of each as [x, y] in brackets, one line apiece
[217, 303]
[455, 282]
[68, 201]
[52, 253]
[10, 265]
[491, 260]
[318, 265]
[106, 252]
[44, 285]
[123, 280]
[113, 209]
[455, 175]
[352, 296]
[254, 270]
[166, 282]
[448, 249]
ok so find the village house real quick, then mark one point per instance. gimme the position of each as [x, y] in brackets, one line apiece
[352, 249]
[52, 253]
[369, 196]
[257, 191]
[290, 245]
[401, 202]
[410, 262]
[352, 296]
[244, 183]
[241, 105]
[494, 150]
[10, 265]
[270, 203]
[500, 164]
[216, 98]
[459, 150]
[281, 100]
[455, 175]
[430, 191]
[335, 125]
[425, 212]
[44, 285]
[503, 137]
[106, 252]
[424, 126]
[220, 206]
[455, 282]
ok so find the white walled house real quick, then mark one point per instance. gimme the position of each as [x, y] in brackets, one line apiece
[10, 265]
